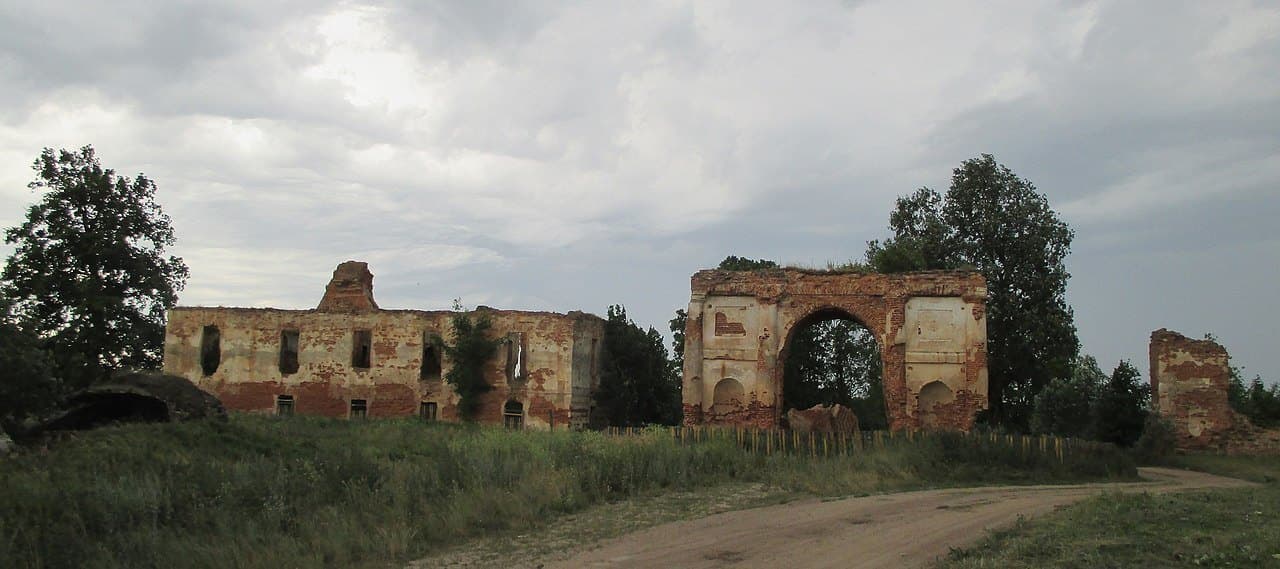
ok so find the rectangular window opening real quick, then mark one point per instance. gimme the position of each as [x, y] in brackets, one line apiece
[359, 408]
[288, 352]
[431, 364]
[210, 349]
[284, 405]
[427, 410]
[361, 348]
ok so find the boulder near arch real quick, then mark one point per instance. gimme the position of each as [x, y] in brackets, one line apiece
[930, 326]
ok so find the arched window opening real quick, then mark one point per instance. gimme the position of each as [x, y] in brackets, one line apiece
[513, 415]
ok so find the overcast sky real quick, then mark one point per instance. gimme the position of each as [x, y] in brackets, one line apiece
[560, 156]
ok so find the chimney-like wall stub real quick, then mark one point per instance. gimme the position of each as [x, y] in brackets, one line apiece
[350, 289]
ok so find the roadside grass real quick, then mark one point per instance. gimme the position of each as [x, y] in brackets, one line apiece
[1216, 528]
[312, 492]
[1264, 469]
[565, 535]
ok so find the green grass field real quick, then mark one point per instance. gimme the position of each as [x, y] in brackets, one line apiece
[1219, 528]
[308, 492]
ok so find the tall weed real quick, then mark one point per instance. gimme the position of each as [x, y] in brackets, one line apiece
[311, 492]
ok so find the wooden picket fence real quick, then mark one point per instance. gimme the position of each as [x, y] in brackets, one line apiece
[779, 441]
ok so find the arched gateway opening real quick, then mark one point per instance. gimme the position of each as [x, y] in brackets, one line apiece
[928, 328]
[830, 358]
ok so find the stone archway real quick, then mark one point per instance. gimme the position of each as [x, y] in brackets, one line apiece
[790, 341]
[930, 327]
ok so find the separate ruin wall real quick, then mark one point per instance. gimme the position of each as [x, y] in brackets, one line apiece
[1189, 385]
[930, 327]
[1189, 380]
[548, 362]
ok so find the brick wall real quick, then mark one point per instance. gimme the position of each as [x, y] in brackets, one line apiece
[740, 323]
[556, 352]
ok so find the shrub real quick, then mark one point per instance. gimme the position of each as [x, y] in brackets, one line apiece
[1157, 442]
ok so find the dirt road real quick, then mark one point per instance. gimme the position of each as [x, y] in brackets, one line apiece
[893, 530]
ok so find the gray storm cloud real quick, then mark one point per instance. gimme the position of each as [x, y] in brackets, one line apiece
[573, 155]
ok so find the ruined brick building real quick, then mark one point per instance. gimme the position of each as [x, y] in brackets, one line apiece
[350, 358]
[1189, 382]
[930, 327]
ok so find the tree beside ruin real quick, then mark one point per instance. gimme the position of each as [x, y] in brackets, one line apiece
[638, 384]
[89, 276]
[995, 221]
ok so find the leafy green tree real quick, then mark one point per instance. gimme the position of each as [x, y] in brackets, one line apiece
[27, 384]
[735, 263]
[992, 220]
[677, 326]
[471, 349]
[1237, 392]
[638, 384]
[922, 239]
[89, 276]
[1265, 403]
[1120, 411]
[1254, 399]
[1065, 406]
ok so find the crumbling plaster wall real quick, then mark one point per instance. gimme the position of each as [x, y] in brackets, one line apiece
[1189, 380]
[554, 383]
[930, 326]
[1189, 383]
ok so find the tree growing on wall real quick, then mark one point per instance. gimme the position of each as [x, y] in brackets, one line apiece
[638, 384]
[89, 275]
[995, 221]
[471, 349]
[736, 263]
